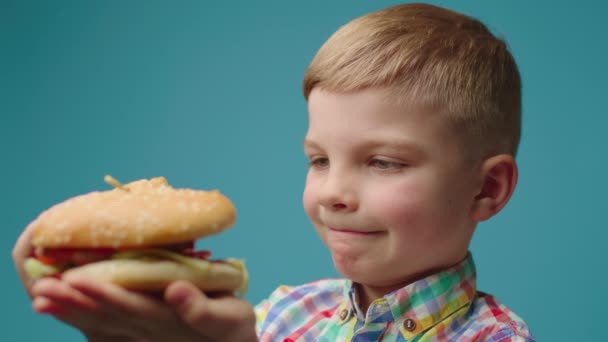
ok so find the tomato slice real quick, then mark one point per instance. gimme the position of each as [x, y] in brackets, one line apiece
[203, 255]
[80, 256]
[77, 256]
[47, 260]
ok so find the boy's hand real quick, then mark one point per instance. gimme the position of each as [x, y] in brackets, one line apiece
[22, 251]
[225, 318]
[108, 310]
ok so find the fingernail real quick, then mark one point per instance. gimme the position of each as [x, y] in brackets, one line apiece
[179, 296]
[43, 305]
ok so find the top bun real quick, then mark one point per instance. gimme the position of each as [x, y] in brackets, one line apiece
[142, 213]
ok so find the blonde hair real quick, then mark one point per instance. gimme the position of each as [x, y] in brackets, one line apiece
[430, 56]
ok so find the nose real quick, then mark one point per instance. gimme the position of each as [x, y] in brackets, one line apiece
[337, 192]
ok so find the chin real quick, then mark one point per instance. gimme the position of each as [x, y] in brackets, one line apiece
[356, 269]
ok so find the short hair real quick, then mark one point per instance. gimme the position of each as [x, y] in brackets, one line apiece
[430, 56]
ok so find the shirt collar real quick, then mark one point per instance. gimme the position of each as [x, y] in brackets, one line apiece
[423, 303]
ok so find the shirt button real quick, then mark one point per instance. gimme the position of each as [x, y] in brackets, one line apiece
[343, 314]
[409, 324]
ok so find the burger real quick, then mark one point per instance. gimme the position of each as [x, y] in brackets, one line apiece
[140, 236]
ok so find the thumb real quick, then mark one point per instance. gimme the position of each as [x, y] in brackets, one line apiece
[215, 318]
[190, 304]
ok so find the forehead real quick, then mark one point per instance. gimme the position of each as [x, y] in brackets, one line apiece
[368, 101]
[369, 112]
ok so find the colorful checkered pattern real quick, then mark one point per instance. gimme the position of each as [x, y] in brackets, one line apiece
[443, 307]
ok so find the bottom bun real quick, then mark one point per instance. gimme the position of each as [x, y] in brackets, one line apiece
[155, 275]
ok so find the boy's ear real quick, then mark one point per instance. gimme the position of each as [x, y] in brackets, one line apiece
[499, 177]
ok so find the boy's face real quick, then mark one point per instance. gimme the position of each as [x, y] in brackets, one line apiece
[387, 190]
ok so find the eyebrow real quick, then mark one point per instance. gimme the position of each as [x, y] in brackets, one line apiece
[397, 144]
[309, 143]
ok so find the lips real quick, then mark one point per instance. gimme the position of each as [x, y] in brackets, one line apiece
[354, 231]
[349, 225]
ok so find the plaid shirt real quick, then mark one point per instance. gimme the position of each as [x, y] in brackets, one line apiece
[442, 307]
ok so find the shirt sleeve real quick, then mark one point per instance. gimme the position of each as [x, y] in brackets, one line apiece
[513, 339]
[508, 335]
[263, 308]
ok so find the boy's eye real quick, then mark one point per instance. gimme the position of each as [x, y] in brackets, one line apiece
[319, 163]
[386, 164]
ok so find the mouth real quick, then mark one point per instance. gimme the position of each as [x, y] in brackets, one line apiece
[356, 232]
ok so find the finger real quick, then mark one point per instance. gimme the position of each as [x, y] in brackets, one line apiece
[102, 312]
[212, 317]
[21, 251]
[64, 312]
[52, 296]
[132, 313]
[108, 313]
[119, 299]
[74, 315]
[56, 290]
[189, 303]
[45, 305]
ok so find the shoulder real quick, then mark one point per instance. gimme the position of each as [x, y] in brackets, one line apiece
[289, 303]
[331, 290]
[493, 321]
[330, 286]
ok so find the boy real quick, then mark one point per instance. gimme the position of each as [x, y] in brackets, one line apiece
[414, 122]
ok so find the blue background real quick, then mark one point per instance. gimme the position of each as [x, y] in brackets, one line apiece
[208, 94]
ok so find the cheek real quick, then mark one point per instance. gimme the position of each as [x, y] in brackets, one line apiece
[309, 198]
[405, 206]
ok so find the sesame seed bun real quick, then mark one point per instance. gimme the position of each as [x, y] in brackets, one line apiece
[142, 213]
